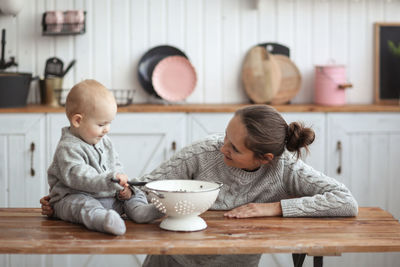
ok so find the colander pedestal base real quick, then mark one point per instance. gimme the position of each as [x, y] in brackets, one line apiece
[183, 223]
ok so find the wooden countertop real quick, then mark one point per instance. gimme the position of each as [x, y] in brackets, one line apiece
[26, 231]
[215, 108]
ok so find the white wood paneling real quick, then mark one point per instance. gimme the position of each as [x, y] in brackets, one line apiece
[302, 50]
[139, 43]
[194, 46]
[212, 51]
[120, 40]
[215, 35]
[102, 48]
[231, 84]
[320, 32]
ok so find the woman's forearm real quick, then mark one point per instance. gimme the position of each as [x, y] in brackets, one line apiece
[256, 210]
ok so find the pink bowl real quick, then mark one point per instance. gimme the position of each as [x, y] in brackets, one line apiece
[174, 78]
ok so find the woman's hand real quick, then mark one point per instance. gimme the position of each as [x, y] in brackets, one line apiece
[125, 194]
[46, 208]
[256, 210]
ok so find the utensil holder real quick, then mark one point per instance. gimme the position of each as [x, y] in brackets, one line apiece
[51, 85]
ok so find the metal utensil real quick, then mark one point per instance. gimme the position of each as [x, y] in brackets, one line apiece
[70, 65]
[130, 183]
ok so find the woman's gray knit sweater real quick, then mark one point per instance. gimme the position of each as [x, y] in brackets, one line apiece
[302, 191]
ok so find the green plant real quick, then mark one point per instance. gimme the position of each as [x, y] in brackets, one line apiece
[393, 48]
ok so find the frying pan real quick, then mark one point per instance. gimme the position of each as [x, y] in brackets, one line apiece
[275, 48]
[149, 61]
[174, 78]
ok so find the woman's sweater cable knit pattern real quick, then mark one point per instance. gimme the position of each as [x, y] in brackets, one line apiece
[301, 190]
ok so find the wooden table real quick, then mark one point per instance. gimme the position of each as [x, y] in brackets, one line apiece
[26, 231]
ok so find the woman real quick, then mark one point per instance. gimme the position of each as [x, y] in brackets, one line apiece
[257, 160]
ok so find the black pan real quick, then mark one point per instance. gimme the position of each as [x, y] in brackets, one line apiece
[275, 48]
[149, 61]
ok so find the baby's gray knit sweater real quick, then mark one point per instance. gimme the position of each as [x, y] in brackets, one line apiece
[79, 167]
[301, 190]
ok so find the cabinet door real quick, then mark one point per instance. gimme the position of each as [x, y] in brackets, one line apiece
[22, 166]
[363, 152]
[145, 140]
[203, 124]
[142, 140]
[22, 170]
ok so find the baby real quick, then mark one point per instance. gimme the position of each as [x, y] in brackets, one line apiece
[85, 162]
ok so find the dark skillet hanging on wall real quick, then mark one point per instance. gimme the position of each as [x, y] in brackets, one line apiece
[149, 61]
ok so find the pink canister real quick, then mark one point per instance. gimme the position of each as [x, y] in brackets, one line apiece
[330, 82]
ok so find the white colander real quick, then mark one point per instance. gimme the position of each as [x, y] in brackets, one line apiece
[183, 201]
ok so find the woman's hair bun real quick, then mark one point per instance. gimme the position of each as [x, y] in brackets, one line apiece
[299, 136]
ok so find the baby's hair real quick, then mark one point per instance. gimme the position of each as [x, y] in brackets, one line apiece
[268, 132]
[84, 96]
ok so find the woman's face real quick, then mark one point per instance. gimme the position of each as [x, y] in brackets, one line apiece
[236, 154]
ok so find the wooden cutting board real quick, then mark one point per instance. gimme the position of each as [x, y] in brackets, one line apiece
[290, 83]
[261, 75]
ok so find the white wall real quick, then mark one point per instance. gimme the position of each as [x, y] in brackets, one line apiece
[215, 34]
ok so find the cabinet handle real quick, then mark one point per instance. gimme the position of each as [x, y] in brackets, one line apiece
[32, 153]
[339, 150]
[173, 146]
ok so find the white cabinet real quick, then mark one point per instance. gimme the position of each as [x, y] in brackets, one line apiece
[367, 159]
[22, 155]
[363, 152]
[367, 156]
[143, 141]
[22, 170]
[203, 124]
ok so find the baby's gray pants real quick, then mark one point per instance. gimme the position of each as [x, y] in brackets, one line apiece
[82, 208]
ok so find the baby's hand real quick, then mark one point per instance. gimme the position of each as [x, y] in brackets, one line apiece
[125, 194]
[123, 179]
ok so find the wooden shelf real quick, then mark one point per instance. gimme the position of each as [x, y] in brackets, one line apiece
[214, 108]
